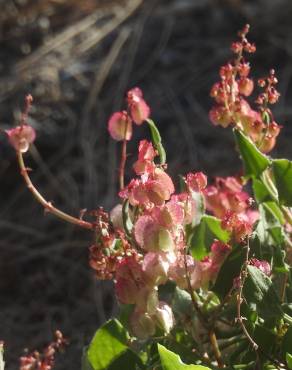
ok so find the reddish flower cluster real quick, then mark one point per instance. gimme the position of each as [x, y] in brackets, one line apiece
[227, 200]
[231, 106]
[43, 360]
[154, 186]
[120, 123]
[110, 245]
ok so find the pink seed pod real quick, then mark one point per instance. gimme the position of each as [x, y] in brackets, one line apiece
[142, 324]
[196, 181]
[120, 126]
[145, 163]
[155, 266]
[164, 317]
[262, 265]
[21, 137]
[245, 86]
[139, 109]
[152, 237]
[126, 291]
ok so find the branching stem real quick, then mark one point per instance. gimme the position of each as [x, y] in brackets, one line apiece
[47, 205]
[212, 335]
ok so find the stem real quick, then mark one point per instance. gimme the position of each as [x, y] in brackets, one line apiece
[242, 277]
[215, 347]
[123, 164]
[212, 335]
[193, 298]
[287, 214]
[283, 287]
[123, 157]
[47, 205]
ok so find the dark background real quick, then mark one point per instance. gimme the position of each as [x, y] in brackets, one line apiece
[78, 61]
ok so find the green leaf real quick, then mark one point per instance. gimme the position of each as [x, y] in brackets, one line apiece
[127, 360]
[229, 270]
[259, 293]
[269, 229]
[275, 214]
[260, 191]
[204, 234]
[265, 338]
[182, 303]
[156, 138]
[108, 343]
[171, 361]
[282, 170]
[254, 161]
[289, 360]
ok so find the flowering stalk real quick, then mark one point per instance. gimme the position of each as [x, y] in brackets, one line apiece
[123, 159]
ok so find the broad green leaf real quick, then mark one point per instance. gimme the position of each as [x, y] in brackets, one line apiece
[204, 234]
[259, 293]
[108, 343]
[254, 161]
[182, 302]
[156, 138]
[269, 229]
[275, 214]
[260, 191]
[282, 170]
[265, 338]
[171, 361]
[289, 360]
[127, 360]
[229, 270]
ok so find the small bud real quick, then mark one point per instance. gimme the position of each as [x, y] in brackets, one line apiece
[236, 47]
[243, 69]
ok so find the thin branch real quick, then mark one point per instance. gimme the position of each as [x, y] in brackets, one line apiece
[47, 205]
[242, 277]
[211, 332]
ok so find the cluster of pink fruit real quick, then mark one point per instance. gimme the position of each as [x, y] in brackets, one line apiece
[142, 243]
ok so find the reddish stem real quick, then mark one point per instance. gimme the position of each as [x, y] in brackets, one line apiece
[123, 158]
[47, 205]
